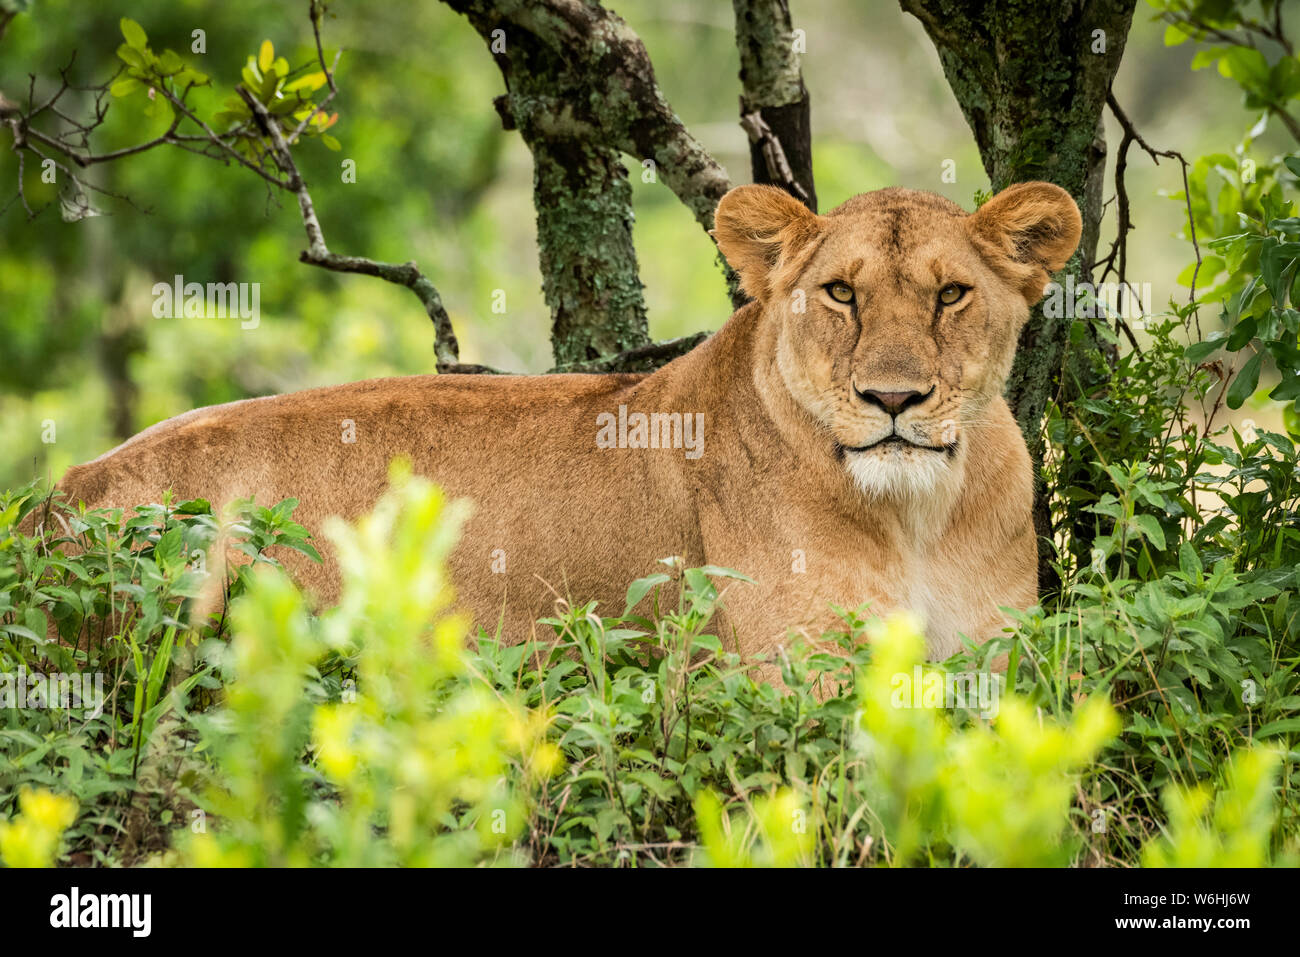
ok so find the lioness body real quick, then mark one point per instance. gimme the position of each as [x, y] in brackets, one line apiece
[787, 482]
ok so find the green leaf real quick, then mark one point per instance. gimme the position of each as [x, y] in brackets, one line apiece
[1274, 260]
[1242, 333]
[717, 571]
[1204, 58]
[270, 83]
[1198, 352]
[130, 56]
[312, 81]
[1208, 269]
[1246, 65]
[1287, 389]
[22, 632]
[125, 86]
[265, 56]
[1285, 726]
[1236, 253]
[1243, 386]
[171, 62]
[1284, 78]
[167, 553]
[162, 660]
[1151, 530]
[283, 105]
[133, 33]
[331, 142]
[159, 106]
[641, 587]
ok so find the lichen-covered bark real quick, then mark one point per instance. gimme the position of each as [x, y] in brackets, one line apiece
[772, 83]
[584, 238]
[1031, 78]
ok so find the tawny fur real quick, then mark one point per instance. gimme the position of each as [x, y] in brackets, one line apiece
[777, 492]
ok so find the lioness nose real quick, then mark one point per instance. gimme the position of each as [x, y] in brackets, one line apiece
[892, 402]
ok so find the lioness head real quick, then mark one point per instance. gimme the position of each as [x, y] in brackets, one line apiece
[898, 312]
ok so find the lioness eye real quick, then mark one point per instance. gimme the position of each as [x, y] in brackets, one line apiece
[951, 293]
[840, 292]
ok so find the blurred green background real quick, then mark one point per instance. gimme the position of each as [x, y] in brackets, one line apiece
[438, 181]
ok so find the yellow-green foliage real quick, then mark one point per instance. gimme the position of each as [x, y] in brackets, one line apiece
[1000, 794]
[1230, 830]
[32, 838]
[771, 831]
[416, 758]
[1008, 788]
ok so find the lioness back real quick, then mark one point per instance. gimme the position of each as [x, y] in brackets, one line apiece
[496, 440]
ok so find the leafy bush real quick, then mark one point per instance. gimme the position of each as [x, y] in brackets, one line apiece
[103, 596]
[410, 767]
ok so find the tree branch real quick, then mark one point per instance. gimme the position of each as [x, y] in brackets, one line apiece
[641, 359]
[446, 348]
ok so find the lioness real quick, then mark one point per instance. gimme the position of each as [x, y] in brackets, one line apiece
[841, 439]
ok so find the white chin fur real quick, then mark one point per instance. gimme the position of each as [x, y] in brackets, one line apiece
[892, 474]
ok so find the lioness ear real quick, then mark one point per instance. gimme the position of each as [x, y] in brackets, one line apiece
[1030, 230]
[760, 229]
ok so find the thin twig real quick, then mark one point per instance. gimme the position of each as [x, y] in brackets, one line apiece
[1132, 135]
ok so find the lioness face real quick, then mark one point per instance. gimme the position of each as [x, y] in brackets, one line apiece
[898, 313]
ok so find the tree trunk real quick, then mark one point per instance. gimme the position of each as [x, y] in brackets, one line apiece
[580, 192]
[1032, 79]
[584, 238]
[773, 88]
